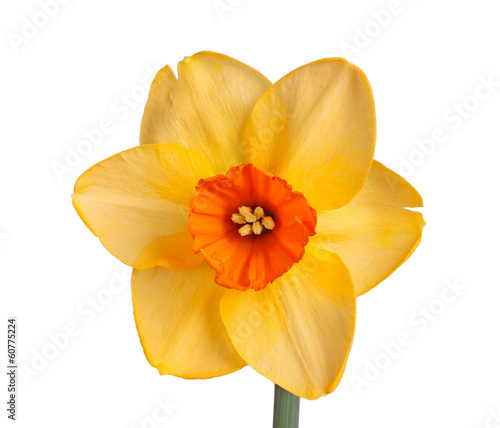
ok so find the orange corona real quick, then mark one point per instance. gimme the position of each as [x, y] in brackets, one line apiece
[250, 226]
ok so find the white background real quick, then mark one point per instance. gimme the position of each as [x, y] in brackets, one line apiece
[75, 68]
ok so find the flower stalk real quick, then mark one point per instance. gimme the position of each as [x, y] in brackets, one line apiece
[286, 409]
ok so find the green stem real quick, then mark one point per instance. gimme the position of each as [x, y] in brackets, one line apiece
[286, 409]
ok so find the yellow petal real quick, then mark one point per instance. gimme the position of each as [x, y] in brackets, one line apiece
[179, 323]
[316, 129]
[136, 202]
[297, 331]
[206, 109]
[374, 234]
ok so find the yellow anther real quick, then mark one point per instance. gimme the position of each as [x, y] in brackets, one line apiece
[250, 218]
[238, 218]
[257, 228]
[245, 210]
[258, 213]
[268, 223]
[245, 230]
[253, 220]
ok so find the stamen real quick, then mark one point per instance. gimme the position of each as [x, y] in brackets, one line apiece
[238, 218]
[253, 221]
[268, 223]
[257, 228]
[250, 218]
[245, 230]
[245, 210]
[258, 213]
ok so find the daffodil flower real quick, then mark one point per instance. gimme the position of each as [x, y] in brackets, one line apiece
[253, 214]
